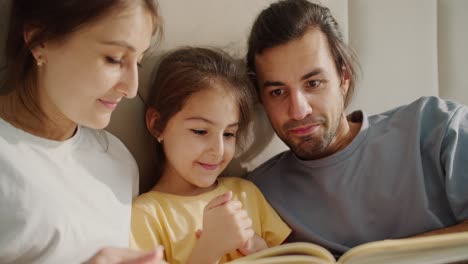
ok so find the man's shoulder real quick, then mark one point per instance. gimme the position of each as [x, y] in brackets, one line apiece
[268, 167]
[424, 109]
[426, 104]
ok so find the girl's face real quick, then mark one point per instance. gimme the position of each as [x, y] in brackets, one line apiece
[199, 141]
[86, 75]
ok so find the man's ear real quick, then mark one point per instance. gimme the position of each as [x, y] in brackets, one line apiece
[345, 80]
[152, 119]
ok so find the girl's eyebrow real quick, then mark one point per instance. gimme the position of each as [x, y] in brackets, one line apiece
[197, 118]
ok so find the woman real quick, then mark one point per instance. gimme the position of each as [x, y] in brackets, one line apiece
[66, 185]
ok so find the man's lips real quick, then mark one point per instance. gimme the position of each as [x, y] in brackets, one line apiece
[304, 130]
[209, 166]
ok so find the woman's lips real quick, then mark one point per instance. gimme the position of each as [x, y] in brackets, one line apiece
[109, 104]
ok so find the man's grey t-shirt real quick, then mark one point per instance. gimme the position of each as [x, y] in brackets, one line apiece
[405, 173]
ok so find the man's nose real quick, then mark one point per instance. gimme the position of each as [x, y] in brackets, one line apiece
[299, 106]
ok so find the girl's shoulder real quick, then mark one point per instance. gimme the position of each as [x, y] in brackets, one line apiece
[238, 184]
[233, 180]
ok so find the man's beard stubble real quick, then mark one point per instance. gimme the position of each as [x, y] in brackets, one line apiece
[312, 147]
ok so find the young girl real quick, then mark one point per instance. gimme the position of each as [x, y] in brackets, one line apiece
[66, 186]
[199, 107]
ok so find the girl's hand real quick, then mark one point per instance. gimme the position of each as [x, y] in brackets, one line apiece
[256, 243]
[226, 226]
[127, 256]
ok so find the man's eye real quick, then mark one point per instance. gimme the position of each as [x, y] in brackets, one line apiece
[112, 60]
[313, 83]
[199, 132]
[277, 92]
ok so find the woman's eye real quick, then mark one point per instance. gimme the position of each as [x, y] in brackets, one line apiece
[314, 83]
[277, 92]
[112, 60]
[199, 132]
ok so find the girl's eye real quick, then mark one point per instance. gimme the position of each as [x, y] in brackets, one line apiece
[313, 83]
[230, 135]
[199, 132]
[112, 60]
[277, 92]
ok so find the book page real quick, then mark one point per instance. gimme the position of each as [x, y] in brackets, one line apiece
[445, 248]
[289, 259]
[290, 252]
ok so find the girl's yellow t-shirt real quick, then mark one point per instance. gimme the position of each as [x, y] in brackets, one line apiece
[171, 220]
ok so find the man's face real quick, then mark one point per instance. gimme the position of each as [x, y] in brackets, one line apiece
[303, 94]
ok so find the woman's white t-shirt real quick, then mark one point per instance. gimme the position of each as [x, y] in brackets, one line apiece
[60, 202]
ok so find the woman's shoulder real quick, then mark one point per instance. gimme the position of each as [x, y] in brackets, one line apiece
[105, 141]
[8, 133]
[90, 135]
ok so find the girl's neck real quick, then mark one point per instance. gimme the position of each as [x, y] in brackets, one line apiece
[15, 113]
[176, 185]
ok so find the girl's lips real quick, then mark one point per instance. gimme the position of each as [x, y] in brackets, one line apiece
[208, 166]
[305, 130]
[109, 104]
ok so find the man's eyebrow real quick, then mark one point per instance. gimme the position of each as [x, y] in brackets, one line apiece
[304, 77]
[312, 73]
[208, 121]
[267, 84]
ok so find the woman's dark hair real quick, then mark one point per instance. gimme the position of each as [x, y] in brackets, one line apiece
[288, 20]
[189, 70]
[51, 20]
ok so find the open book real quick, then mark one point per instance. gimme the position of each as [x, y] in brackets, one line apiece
[446, 248]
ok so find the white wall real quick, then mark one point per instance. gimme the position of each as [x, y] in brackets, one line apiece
[396, 42]
[453, 49]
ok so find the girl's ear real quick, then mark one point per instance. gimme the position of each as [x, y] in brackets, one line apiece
[152, 119]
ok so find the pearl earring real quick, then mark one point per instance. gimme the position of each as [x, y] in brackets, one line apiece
[40, 62]
[159, 139]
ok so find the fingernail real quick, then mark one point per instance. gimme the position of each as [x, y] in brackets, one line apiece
[159, 250]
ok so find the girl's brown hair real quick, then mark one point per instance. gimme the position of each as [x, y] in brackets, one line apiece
[52, 20]
[188, 70]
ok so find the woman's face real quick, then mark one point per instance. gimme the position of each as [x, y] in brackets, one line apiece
[86, 75]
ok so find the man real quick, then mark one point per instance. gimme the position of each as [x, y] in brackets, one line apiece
[350, 179]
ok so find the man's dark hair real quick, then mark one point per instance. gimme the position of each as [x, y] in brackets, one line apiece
[288, 20]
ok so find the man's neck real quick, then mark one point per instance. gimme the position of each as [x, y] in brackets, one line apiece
[347, 131]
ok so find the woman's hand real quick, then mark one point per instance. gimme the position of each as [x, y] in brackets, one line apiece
[127, 256]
